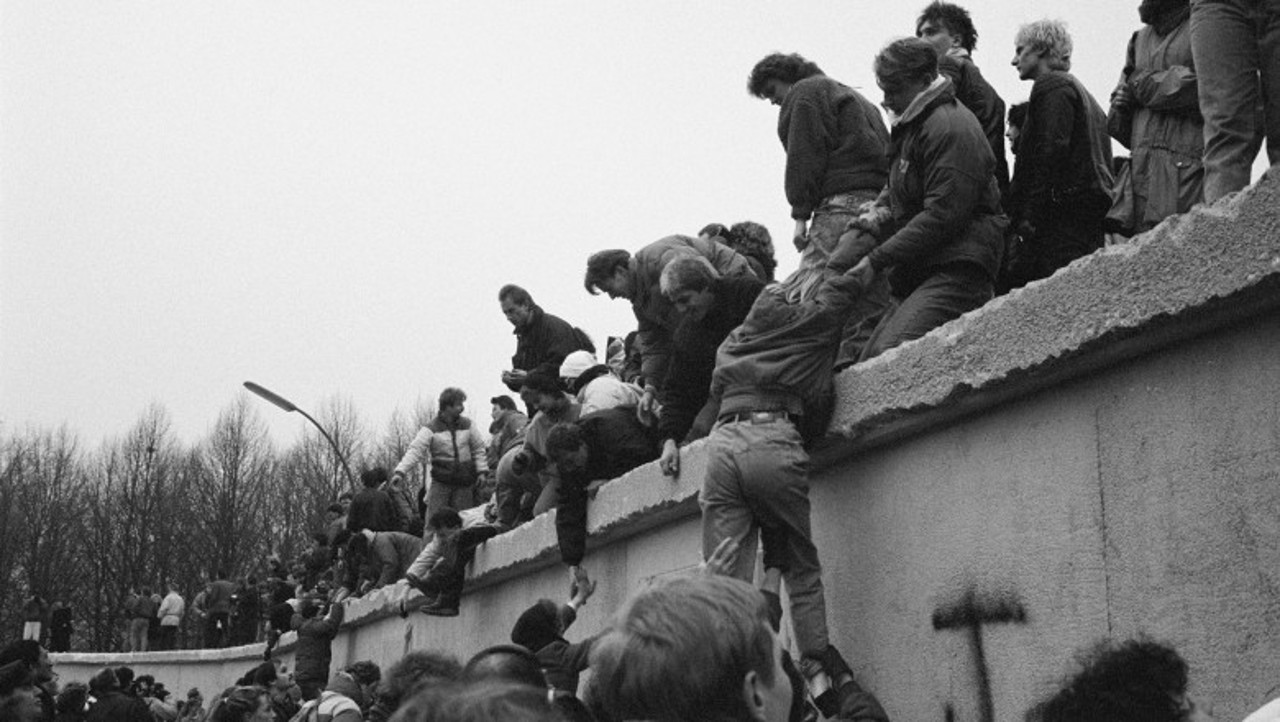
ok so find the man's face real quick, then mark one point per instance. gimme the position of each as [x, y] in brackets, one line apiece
[694, 304]
[618, 285]
[573, 461]
[519, 315]
[552, 404]
[1027, 60]
[451, 413]
[777, 694]
[937, 35]
[776, 90]
[898, 95]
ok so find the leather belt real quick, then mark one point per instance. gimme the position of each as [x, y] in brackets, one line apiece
[755, 417]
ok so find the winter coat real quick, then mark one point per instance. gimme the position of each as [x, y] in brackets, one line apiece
[544, 342]
[505, 433]
[1164, 130]
[655, 313]
[171, 609]
[835, 140]
[780, 358]
[942, 193]
[455, 452]
[597, 389]
[975, 93]
[616, 443]
[394, 551]
[539, 630]
[118, 707]
[372, 509]
[1064, 153]
[314, 652]
[693, 357]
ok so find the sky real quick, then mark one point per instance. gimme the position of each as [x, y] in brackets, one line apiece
[324, 197]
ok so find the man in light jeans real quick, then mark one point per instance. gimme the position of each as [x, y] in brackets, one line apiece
[1236, 48]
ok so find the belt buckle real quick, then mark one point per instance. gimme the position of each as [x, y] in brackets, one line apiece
[763, 417]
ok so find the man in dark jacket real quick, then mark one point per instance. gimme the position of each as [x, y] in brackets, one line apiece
[39, 669]
[218, 602]
[542, 340]
[371, 507]
[540, 629]
[710, 307]
[597, 447]
[939, 223]
[389, 552]
[1062, 179]
[773, 382]
[315, 638]
[111, 704]
[949, 29]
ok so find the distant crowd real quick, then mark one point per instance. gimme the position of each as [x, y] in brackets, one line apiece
[901, 227]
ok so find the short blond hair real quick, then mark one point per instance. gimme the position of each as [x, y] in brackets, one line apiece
[1049, 38]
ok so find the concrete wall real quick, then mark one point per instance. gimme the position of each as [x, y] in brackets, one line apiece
[1092, 456]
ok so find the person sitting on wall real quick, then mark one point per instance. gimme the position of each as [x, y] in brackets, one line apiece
[595, 386]
[526, 485]
[440, 571]
[390, 552]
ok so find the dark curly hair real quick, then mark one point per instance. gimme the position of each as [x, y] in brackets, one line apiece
[778, 66]
[753, 241]
[954, 18]
[1140, 680]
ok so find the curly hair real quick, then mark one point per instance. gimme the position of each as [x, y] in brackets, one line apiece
[954, 18]
[753, 241]
[785, 68]
[1136, 680]
[1049, 38]
[563, 439]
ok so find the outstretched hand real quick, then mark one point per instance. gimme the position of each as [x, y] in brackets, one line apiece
[669, 462]
[721, 560]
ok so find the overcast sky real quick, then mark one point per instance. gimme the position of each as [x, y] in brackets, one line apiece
[324, 197]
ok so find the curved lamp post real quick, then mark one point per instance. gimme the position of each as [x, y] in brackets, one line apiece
[288, 405]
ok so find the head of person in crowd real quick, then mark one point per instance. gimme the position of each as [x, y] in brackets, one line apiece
[609, 272]
[143, 684]
[125, 676]
[1013, 130]
[755, 242]
[413, 671]
[501, 404]
[905, 68]
[1040, 47]
[103, 682]
[243, 704]
[334, 512]
[308, 608]
[18, 697]
[548, 395]
[452, 404]
[33, 656]
[686, 282]
[366, 674]
[537, 626]
[344, 499]
[566, 449]
[445, 524]
[373, 478]
[507, 662]
[195, 700]
[1138, 680]
[579, 369]
[517, 305]
[771, 78]
[693, 647]
[717, 231]
[490, 700]
[945, 26]
[72, 698]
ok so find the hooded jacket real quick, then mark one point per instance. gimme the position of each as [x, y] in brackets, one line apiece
[655, 313]
[835, 141]
[942, 193]
[598, 389]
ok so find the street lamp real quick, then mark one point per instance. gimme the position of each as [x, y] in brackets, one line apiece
[288, 405]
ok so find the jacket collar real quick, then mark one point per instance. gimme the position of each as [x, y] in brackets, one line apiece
[938, 92]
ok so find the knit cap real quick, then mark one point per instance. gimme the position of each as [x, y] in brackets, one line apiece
[577, 362]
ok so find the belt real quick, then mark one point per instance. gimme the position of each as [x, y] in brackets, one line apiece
[756, 417]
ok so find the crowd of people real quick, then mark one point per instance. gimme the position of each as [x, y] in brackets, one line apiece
[901, 226]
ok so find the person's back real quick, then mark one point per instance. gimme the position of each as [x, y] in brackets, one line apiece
[371, 508]
[218, 599]
[314, 652]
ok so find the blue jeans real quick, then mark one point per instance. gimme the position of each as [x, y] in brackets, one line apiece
[1236, 48]
[758, 477]
[949, 293]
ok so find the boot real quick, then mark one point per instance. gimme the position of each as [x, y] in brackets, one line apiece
[836, 692]
[445, 605]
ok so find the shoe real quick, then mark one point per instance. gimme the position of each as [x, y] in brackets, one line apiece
[437, 609]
